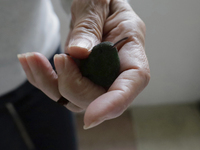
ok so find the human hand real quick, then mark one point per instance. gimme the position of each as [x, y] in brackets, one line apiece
[94, 21]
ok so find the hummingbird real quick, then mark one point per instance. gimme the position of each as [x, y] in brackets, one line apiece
[102, 65]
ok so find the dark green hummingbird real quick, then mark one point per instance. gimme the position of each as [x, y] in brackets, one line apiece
[102, 65]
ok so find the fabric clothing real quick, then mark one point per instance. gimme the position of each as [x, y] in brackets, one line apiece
[28, 118]
[25, 26]
[49, 125]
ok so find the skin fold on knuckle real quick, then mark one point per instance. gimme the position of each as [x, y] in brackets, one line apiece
[88, 27]
[132, 82]
[133, 30]
[89, 16]
[124, 102]
[74, 89]
[144, 75]
[85, 90]
[68, 84]
[141, 30]
[81, 87]
[129, 22]
[126, 91]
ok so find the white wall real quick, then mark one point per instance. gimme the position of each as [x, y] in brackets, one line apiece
[172, 47]
[173, 50]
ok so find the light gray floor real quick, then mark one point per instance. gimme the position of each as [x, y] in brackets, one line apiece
[115, 134]
[173, 127]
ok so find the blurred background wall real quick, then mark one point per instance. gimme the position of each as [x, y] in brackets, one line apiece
[173, 50]
[172, 47]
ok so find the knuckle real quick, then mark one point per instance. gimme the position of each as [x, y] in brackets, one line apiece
[135, 30]
[90, 25]
[77, 87]
[83, 88]
[89, 16]
[80, 87]
[123, 25]
[145, 75]
[141, 25]
[104, 2]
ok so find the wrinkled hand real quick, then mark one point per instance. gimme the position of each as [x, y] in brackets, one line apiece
[94, 21]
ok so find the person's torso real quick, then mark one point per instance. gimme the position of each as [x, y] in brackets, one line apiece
[25, 26]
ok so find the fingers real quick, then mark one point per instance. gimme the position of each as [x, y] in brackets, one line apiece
[40, 73]
[119, 11]
[79, 90]
[88, 17]
[90, 22]
[120, 95]
[123, 22]
[134, 77]
[135, 74]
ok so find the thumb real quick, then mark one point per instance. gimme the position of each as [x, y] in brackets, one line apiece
[88, 17]
[107, 106]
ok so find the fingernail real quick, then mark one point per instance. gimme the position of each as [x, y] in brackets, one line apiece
[29, 54]
[59, 63]
[83, 43]
[20, 56]
[85, 127]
